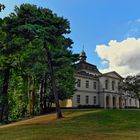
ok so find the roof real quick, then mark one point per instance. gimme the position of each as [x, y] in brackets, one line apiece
[104, 74]
[84, 73]
[87, 66]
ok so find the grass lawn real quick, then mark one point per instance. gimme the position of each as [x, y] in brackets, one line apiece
[78, 125]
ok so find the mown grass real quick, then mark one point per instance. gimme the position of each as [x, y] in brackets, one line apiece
[78, 125]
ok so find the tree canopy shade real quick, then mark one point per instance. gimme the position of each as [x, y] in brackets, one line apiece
[34, 48]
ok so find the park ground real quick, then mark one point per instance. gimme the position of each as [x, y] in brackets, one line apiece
[77, 125]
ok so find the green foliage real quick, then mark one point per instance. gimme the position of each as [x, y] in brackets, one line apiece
[28, 35]
[132, 85]
[17, 98]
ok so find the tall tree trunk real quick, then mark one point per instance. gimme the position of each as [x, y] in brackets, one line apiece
[43, 86]
[31, 95]
[52, 80]
[44, 94]
[33, 98]
[41, 97]
[4, 103]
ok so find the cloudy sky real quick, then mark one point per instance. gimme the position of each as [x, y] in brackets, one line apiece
[108, 29]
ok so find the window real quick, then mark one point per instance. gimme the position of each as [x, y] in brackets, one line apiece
[130, 102]
[94, 100]
[78, 99]
[106, 84]
[79, 83]
[119, 85]
[87, 99]
[94, 85]
[87, 84]
[113, 85]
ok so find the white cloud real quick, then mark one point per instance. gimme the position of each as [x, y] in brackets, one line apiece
[123, 57]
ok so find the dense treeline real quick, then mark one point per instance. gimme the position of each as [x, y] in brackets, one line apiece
[36, 62]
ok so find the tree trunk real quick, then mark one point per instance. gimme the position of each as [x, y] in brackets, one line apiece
[4, 103]
[31, 95]
[52, 81]
[41, 97]
[44, 94]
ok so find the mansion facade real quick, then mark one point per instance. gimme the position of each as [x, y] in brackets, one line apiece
[99, 90]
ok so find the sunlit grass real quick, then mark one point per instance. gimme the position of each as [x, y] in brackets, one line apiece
[78, 125]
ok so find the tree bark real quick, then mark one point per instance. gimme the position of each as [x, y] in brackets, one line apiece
[4, 103]
[31, 95]
[41, 97]
[52, 81]
[44, 94]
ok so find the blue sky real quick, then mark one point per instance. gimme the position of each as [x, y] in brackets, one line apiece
[93, 22]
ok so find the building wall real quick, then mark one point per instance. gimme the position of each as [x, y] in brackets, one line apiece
[91, 84]
[66, 103]
[101, 93]
[83, 95]
[83, 91]
[109, 79]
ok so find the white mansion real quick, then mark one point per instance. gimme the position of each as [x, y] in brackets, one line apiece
[100, 90]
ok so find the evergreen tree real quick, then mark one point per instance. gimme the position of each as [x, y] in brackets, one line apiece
[35, 49]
